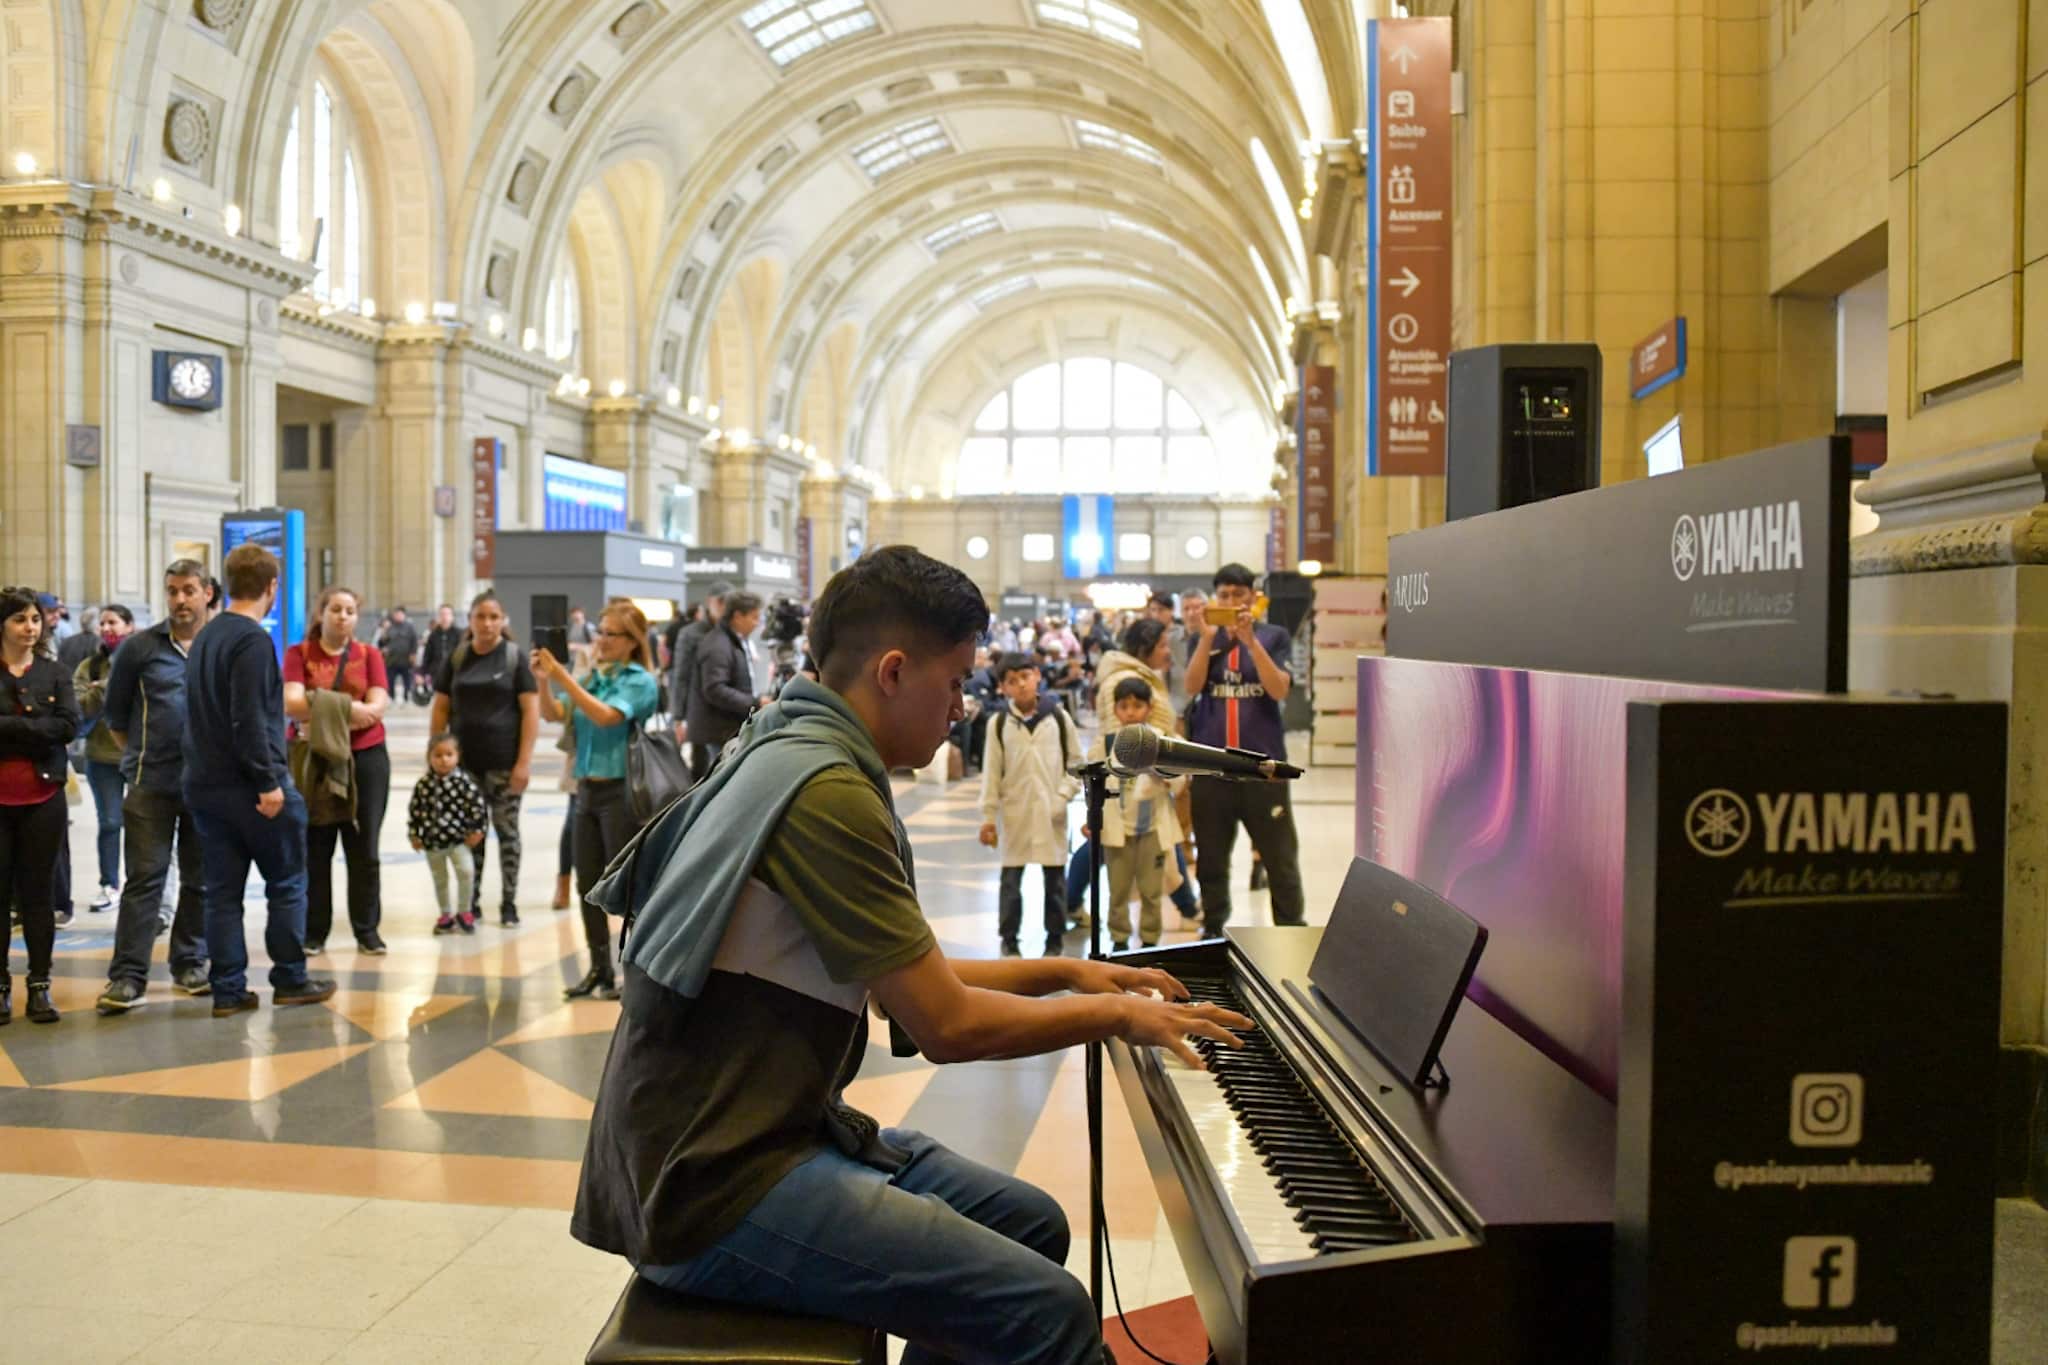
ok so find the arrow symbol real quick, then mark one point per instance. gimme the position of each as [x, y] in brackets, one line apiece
[1404, 57]
[1407, 282]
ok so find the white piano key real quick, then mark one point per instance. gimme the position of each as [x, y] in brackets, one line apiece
[1253, 1194]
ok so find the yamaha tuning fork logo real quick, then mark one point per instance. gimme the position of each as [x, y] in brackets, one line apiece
[1717, 823]
[1685, 547]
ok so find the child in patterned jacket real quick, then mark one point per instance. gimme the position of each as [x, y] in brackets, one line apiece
[446, 819]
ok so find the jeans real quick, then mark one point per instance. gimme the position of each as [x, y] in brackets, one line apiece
[358, 847]
[31, 838]
[1010, 905]
[232, 835]
[504, 807]
[962, 1262]
[1267, 812]
[441, 862]
[107, 789]
[604, 825]
[151, 821]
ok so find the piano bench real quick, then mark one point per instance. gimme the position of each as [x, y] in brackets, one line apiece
[651, 1326]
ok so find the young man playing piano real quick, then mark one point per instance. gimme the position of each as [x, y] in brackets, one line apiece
[768, 907]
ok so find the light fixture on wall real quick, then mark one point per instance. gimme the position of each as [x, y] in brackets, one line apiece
[415, 312]
[1310, 568]
[529, 339]
[917, 492]
[712, 412]
[161, 190]
[1198, 547]
[617, 388]
[231, 220]
[495, 324]
[977, 547]
[583, 387]
[697, 405]
[368, 308]
[25, 163]
[740, 436]
[782, 441]
[674, 396]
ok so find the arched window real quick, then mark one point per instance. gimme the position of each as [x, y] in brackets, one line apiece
[1087, 425]
[562, 313]
[320, 197]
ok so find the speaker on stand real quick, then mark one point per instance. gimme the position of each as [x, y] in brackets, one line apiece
[1524, 425]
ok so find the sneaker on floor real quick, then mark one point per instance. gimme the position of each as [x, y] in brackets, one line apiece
[446, 924]
[466, 922]
[316, 947]
[1055, 948]
[63, 915]
[311, 992]
[241, 1004]
[371, 945]
[107, 899]
[1010, 948]
[119, 997]
[192, 980]
[509, 920]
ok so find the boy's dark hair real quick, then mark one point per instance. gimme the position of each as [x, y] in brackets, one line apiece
[1160, 599]
[1234, 575]
[250, 570]
[1014, 663]
[1127, 688]
[445, 737]
[891, 597]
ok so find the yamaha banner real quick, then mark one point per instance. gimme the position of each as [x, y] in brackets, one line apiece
[1088, 522]
[1812, 937]
[1735, 572]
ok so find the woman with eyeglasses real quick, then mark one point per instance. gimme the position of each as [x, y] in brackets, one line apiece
[618, 693]
[38, 718]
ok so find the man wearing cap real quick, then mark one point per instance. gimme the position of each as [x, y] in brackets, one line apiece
[683, 667]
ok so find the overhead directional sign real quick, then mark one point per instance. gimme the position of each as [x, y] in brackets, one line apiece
[1408, 85]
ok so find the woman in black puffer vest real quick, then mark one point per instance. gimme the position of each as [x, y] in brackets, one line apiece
[38, 717]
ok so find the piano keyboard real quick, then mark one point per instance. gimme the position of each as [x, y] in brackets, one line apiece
[1298, 1188]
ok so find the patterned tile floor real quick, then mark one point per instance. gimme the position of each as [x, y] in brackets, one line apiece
[384, 1179]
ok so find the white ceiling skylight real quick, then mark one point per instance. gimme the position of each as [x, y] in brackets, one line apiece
[913, 141]
[1099, 17]
[1123, 224]
[995, 292]
[966, 230]
[787, 29]
[1108, 139]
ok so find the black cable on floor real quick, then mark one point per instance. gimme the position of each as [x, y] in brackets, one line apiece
[1109, 1255]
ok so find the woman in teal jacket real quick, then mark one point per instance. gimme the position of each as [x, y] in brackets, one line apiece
[618, 693]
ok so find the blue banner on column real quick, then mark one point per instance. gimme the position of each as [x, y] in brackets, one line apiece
[1089, 521]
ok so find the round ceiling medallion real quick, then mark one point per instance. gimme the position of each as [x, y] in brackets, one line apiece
[221, 14]
[498, 278]
[188, 132]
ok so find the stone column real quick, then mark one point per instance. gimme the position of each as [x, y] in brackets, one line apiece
[42, 352]
[621, 436]
[407, 544]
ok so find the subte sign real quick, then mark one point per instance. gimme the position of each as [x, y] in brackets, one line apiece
[1408, 85]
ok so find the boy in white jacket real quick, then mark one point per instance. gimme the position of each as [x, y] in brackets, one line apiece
[1139, 829]
[1026, 785]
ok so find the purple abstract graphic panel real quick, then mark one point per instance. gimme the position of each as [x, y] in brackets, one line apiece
[1505, 791]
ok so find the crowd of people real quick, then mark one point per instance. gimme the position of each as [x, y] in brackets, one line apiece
[204, 757]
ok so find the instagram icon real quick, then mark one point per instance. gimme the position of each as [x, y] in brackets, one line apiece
[1827, 1109]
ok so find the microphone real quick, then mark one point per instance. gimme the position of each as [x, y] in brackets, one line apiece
[1141, 749]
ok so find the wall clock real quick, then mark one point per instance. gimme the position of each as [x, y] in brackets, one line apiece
[187, 379]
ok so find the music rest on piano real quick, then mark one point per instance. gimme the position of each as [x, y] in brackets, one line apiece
[1326, 1210]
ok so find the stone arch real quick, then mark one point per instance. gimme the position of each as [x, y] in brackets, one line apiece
[736, 364]
[41, 69]
[403, 174]
[828, 392]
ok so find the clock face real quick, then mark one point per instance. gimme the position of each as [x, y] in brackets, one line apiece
[191, 379]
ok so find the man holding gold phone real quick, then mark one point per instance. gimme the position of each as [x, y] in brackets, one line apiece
[1237, 672]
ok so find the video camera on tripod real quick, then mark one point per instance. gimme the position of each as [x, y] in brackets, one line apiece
[783, 626]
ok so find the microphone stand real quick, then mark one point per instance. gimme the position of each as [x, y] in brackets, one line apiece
[1096, 777]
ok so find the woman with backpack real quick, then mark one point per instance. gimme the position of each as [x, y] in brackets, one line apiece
[331, 659]
[485, 694]
[617, 695]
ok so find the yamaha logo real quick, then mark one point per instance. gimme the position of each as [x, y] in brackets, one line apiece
[1717, 822]
[1685, 548]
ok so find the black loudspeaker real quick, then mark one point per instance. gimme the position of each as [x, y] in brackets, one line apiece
[1525, 425]
[1289, 596]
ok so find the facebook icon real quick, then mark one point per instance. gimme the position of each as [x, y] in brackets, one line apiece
[1820, 1272]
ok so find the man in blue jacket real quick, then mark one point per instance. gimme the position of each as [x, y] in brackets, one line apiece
[240, 792]
[145, 711]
